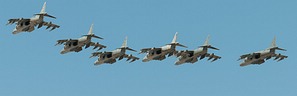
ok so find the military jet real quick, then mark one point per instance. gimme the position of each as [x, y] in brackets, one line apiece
[260, 56]
[110, 57]
[160, 53]
[76, 45]
[28, 24]
[187, 56]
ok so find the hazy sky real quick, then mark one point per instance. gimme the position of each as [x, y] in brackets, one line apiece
[32, 66]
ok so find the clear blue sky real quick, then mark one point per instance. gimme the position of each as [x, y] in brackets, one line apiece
[32, 66]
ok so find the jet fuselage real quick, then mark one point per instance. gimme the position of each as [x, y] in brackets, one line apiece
[258, 58]
[110, 57]
[28, 26]
[193, 54]
[159, 54]
[69, 47]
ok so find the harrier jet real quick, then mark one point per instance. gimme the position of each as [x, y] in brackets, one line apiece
[110, 57]
[28, 24]
[260, 56]
[187, 56]
[76, 45]
[160, 53]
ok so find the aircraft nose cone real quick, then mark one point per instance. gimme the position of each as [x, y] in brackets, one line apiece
[178, 63]
[15, 31]
[145, 59]
[243, 64]
[63, 52]
[97, 62]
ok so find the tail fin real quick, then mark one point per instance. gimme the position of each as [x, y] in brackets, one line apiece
[273, 44]
[91, 34]
[43, 8]
[174, 38]
[175, 43]
[206, 43]
[91, 30]
[43, 13]
[124, 45]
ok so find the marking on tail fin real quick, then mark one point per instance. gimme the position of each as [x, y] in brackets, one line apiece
[207, 41]
[273, 44]
[91, 30]
[174, 38]
[125, 42]
[43, 8]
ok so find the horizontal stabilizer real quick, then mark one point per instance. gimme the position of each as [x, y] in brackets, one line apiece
[94, 36]
[211, 47]
[47, 15]
[277, 48]
[177, 44]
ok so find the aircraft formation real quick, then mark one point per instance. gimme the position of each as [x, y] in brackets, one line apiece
[153, 53]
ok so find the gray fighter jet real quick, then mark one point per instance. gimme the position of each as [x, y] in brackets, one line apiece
[260, 56]
[187, 56]
[160, 53]
[110, 57]
[28, 24]
[76, 45]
